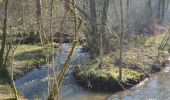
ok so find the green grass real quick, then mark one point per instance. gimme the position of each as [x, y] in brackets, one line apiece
[137, 61]
[152, 44]
[145, 55]
[6, 93]
[27, 57]
[107, 71]
[4, 86]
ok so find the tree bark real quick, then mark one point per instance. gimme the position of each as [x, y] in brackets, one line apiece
[3, 68]
[105, 41]
[127, 13]
[115, 8]
[159, 9]
[149, 5]
[163, 11]
[39, 16]
[94, 30]
[121, 40]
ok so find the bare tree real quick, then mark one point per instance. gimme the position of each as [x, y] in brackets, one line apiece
[39, 17]
[121, 40]
[94, 29]
[127, 13]
[3, 63]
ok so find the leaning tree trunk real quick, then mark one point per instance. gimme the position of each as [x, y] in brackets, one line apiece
[60, 77]
[3, 69]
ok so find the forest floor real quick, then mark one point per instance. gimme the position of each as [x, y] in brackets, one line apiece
[6, 93]
[138, 63]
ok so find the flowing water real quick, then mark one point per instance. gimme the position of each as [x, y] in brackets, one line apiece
[34, 84]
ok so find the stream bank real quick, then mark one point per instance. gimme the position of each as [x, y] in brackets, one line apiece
[36, 82]
[106, 78]
[102, 73]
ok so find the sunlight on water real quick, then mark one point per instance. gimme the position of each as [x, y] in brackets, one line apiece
[156, 88]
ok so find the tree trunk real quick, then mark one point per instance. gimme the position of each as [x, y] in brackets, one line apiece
[39, 16]
[94, 30]
[127, 14]
[149, 5]
[159, 9]
[105, 42]
[121, 39]
[163, 11]
[3, 69]
[115, 8]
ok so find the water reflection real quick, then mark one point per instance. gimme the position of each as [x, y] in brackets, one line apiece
[157, 88]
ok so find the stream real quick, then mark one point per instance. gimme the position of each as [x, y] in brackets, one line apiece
[34, 84]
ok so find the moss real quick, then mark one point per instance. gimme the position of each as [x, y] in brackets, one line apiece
[110, 71]
[152, 44]
[105, 78]
[4, 86]
[138, 62]
[27, 57]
